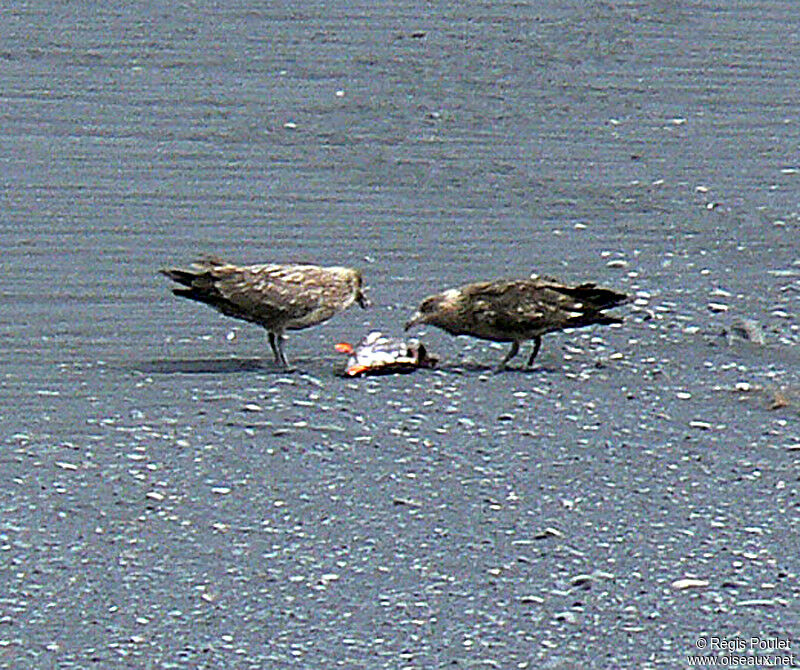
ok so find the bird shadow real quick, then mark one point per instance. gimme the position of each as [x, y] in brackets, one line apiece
[216, 366]
[472, 368]
[199, 366]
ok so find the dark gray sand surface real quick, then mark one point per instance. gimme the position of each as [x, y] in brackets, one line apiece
[171, 500]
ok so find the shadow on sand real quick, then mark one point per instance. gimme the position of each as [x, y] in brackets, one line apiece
[216, 366]
[474, 368]
[205, 366]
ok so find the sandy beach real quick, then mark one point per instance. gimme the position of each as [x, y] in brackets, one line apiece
[172, 499]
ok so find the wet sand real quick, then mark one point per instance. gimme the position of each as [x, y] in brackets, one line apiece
[173, 500]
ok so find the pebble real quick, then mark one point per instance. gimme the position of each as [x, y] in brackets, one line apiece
[757, 602]
[756, 530]
[531, 599]
[748, 329]
[702, 425]
[689, 583]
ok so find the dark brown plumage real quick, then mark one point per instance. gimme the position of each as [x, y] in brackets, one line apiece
[516, 310]
[276, 297]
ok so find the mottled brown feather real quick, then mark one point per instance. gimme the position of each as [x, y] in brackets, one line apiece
[276, 297]
[516, 310]
[508, 310]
